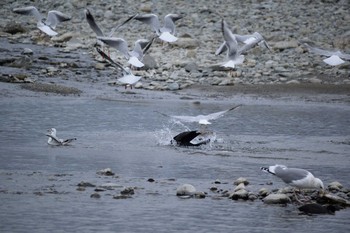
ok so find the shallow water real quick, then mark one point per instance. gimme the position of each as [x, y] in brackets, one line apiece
[38, 182]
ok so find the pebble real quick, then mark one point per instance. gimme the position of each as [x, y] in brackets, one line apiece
[85, 184]
[240, 194]
[241, 180]
[105, 172]
[95, 195]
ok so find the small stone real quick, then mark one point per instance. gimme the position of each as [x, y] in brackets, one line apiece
[95, 195]
[286, 44]
[81, 189]
[105, 172]
[173, 86]
[199, 195]
[149, 62]
[335, 186]
[150, 180]
[86, 184]
[241, 180]
[264, 192]
[187, 43]
[128, 191]
[216, 181]
[185, 190]
[14, 28]
[63, 38]
[27, 51]
[121, 196]
[276, 199]
[191, 67]
[99, 189]
[147, 8]
[214, 189]
[252, 196]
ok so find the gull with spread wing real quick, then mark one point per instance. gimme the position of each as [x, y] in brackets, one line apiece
[136, 55]
[46, 25]
[128, 79]
[202, 119]
[55, 141]
[234, 52]
[165, 33]
[335, 57]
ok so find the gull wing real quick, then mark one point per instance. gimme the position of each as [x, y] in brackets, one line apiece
[54, 138]
[55, 17]
[117, 43]
[221, 49]
[115, 64]
[116, 28]
[231, 42]
[129, 79]
[46, 29]
[65, 142]
[29, 10]
[91, 21]
[150, 19]
[216, 115]
[169, 22]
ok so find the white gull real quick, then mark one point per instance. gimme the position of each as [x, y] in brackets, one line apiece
[46, 25]
[55, 141]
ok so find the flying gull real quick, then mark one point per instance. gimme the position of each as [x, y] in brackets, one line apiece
[255, 38]
[46, 25]
[53, 140]
[299, 178]
[128, 79]
[202, 119]
[165, 33]
[98, 31]
[136, 55]
[234, 52]
[335, 57]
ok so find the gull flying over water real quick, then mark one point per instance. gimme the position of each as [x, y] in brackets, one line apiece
[136, 55]
[234, 52]
[335, 57]
[202, 119]
[46, 25]
[55, 141]
[299, 178]
[165, 33]
[128, 79]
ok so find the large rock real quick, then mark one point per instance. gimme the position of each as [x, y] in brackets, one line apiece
[185, 190]
[240, 194]
[277, 199]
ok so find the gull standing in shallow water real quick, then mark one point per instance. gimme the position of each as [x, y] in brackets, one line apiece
[165, 33]
[47, 25]
[299, 178]
[334, 57]
[234, 52]
[53, 140]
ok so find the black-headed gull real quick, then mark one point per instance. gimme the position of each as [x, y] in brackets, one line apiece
[234, 52]
[55, 141]
[335, 57]
[193, 138]
[255, 38]
[165, 33]
[296, 177]
[202, 119]
[135, 56]
[46, 25]
[128, 79]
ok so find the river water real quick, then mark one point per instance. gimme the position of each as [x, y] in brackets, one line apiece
[38, 182]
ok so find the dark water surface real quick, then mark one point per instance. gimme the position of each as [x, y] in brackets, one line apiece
[38, 182]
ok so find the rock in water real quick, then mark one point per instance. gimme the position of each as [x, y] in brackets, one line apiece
[314, 208]
[277, 199]
[185, 190]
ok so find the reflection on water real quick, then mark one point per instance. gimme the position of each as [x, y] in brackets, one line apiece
[38, 181]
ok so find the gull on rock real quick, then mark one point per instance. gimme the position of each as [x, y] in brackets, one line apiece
[55, 141]
[46, 25]
[335, 57]
[296, 177]
[165, 33]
